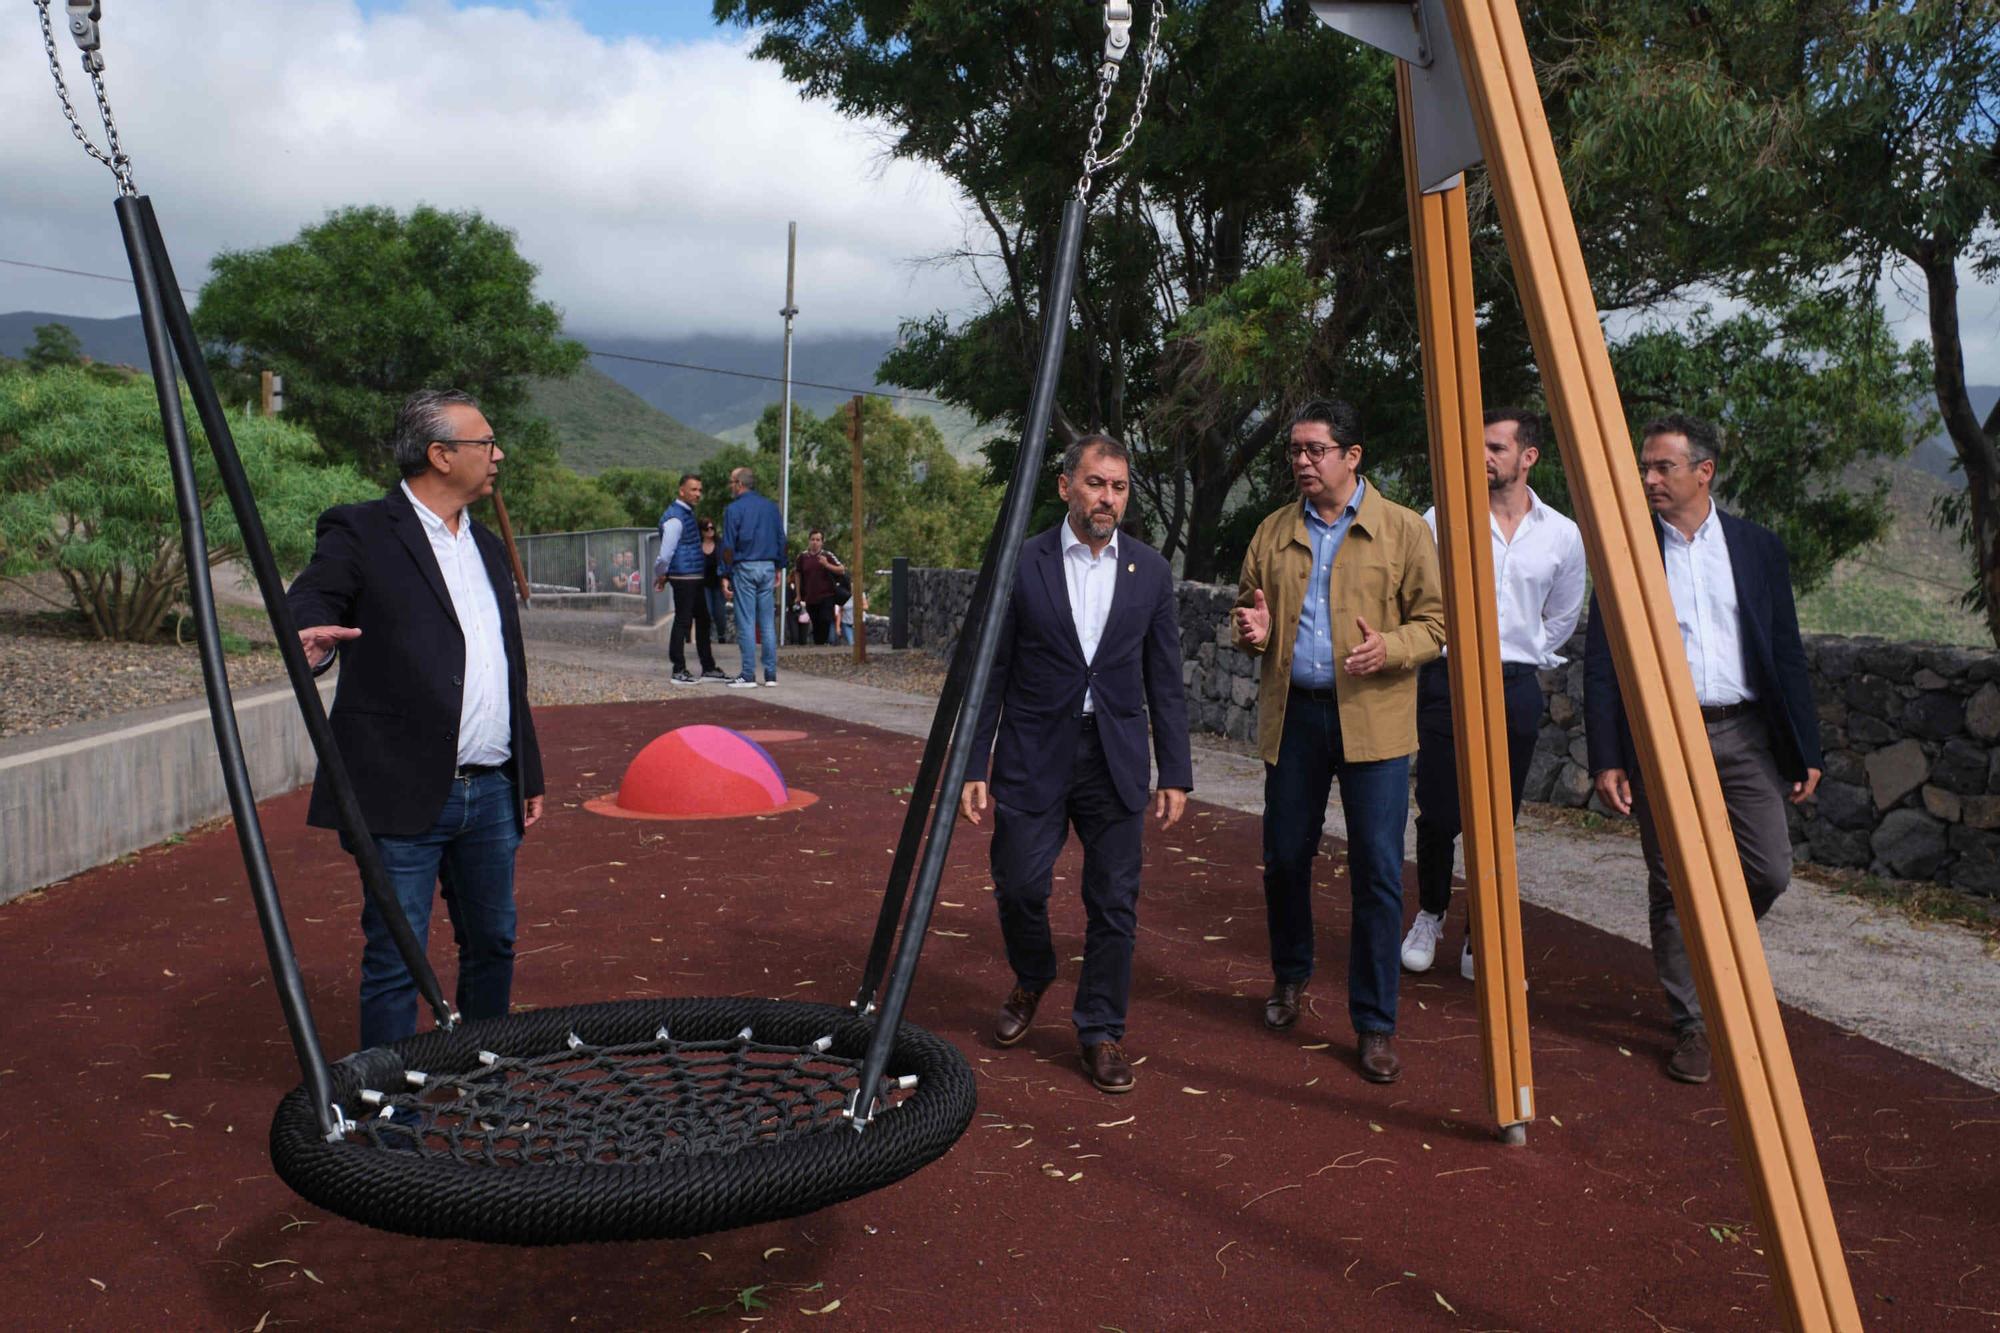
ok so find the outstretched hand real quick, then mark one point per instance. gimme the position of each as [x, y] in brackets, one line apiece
[1253, 622]
[320, 641]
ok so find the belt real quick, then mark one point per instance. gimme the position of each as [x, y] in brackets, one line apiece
[469, 771]
[1723, 712]
[1508, 670]
[1318, 696]
[1087, 721]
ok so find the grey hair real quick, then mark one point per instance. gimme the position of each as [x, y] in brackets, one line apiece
[1107, 445]
[747, 477]
[419, 421]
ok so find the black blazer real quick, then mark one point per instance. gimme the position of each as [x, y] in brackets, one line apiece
[395, 711]
[1039, 676]
[1774, 660]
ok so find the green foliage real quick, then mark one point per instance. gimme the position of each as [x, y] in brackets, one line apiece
[554, 499]
[643, 493]
[54, 345]
[602, 425]
[367, 306]
[85, 490]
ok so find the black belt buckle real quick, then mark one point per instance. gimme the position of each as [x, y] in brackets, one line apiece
[1723, 712]
[467, 772]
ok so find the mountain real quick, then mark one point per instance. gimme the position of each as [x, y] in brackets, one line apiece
[603, 424]
[119, 341]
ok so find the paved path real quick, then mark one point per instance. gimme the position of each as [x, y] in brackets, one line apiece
[1931, 991]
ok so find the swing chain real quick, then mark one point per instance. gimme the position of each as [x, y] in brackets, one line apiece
[83, 26]
[1117, 40]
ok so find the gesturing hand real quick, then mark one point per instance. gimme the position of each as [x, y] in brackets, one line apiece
[1253, 622]
[320, 641]
[1370, 655]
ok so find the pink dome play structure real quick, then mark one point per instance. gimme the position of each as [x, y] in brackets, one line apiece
[701, 772]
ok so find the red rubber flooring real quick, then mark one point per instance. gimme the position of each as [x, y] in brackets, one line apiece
[1251, 1181]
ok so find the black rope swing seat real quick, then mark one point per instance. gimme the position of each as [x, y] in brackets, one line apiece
[620, 1121]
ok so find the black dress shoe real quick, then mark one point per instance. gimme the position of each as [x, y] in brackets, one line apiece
[1378, 1057]
[1690, 1062]
[1107, 1066]
[1015, 1016]
[1282, 1009]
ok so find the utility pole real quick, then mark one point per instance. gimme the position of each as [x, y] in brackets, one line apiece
[860, 567]
[272, 393]
[790, 312]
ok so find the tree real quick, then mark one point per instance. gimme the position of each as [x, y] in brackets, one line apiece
[1251, 250]
[367, 306]
[85, 490]
[642, 493]
[54, 345]
[1828, 143]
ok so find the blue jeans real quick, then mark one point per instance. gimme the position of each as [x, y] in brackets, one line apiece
[756, 583]
[715, 617]
[471, 851]
[1375, 797]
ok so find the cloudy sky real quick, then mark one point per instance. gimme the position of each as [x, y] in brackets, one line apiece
[646, 163]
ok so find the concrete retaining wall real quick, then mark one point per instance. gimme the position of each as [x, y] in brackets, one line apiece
[1911, 732]
[79, 796]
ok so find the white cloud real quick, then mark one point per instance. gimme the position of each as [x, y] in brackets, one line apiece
[650, 182]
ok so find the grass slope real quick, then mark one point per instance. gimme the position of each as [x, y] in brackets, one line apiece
[1907, 586]
[603, 424]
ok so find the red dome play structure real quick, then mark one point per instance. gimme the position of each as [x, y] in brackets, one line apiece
[701, 772]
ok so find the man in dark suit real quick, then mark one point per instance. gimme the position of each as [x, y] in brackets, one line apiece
[431, 714]
[1732, 592]
[1091, 645]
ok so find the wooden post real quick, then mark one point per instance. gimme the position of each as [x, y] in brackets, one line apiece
[1766, 1112]
[513, 551]
[1449, 336]
[266, 407]
[859, 567]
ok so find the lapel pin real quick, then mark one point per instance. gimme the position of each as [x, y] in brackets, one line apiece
[1132, 568]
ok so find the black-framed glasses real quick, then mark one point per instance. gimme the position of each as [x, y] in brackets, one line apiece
[1310, 448]
[486, 444]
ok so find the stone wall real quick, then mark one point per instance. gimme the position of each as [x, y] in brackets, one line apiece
[1912, 784]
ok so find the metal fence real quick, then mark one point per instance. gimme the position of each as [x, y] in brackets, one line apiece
[607, 560]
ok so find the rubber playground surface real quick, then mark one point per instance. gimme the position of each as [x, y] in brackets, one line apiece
[1251, 1180]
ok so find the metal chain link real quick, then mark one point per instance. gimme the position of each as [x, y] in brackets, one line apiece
[119, 164]
[1107, 79]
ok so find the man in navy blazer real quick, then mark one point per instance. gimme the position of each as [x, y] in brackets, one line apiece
[1732, 592]
[1091, 645]
[431, 713]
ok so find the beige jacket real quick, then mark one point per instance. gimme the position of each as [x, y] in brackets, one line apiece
[1387, 574]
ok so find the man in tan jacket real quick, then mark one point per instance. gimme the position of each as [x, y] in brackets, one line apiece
[1342, 601]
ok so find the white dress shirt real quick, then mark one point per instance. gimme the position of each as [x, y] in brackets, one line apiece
[1539, 583]
[670, 540]
[483, 714]
[1091, 580]
[1703, 584]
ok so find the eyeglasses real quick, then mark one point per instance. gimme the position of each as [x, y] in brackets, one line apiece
[1313, 450]
[1665, 467]
[486, 444]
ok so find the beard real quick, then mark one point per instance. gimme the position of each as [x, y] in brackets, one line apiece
[1099, 526]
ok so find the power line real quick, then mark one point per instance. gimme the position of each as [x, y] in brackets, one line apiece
[613, 356]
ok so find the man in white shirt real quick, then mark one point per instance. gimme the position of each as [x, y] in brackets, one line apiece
[1090, 651]
[1732, 592]
[1538, 570]
[431, 716]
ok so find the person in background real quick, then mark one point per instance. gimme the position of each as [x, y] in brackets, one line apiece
[711, 582]
[1538, 572]
[753, 551]
[1731, 584]
[816, 584]
[682, 566]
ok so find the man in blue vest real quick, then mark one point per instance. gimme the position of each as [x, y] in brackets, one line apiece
[753, 551]
[681, 566]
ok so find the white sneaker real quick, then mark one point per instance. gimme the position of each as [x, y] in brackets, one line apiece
[770, 682]
[1465, 968]
[1420, 945]
[741, 684]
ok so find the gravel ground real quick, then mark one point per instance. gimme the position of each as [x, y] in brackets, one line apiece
[54, 671]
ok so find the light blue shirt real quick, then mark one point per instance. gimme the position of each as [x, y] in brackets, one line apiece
[1312, 655]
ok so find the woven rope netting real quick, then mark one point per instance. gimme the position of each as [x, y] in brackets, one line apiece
[635, 1104]
[585, 1124]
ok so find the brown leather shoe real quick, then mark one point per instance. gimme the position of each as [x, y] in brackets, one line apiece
[1690, 1062]
[1015, 1016]
[1107, 1066]
[1378, 1057]
[1282, 1009]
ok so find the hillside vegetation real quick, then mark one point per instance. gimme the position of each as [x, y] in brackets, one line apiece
[602, 424]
